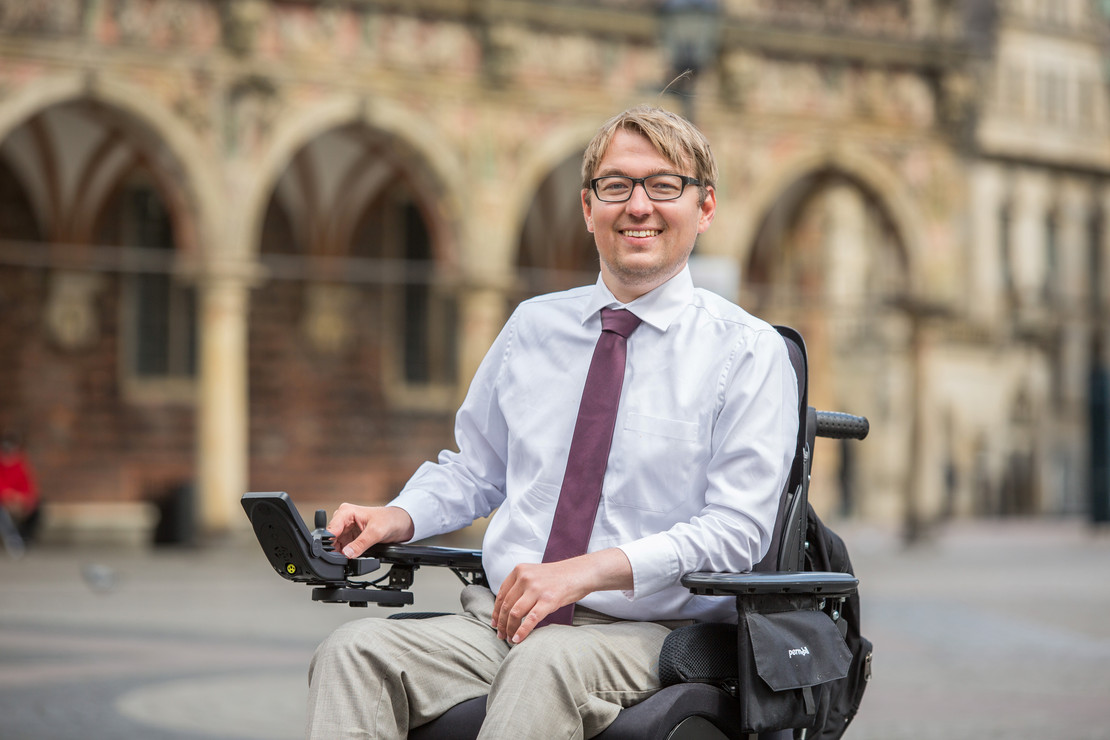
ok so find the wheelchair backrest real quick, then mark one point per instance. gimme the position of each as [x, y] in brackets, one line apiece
[787, 549]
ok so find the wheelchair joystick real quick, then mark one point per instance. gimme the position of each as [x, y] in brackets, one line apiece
[297, 554]
[326, 538]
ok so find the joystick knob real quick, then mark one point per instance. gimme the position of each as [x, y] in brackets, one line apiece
[327, 539]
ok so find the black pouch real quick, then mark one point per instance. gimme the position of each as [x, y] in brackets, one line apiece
[786, 660]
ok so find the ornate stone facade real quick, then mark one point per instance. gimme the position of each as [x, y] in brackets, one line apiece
[265, 244]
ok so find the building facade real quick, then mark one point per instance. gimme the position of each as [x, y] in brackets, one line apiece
[252, 245]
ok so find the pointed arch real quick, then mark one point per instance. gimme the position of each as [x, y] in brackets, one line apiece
[888, 191]
[190, 164]
[432, 164]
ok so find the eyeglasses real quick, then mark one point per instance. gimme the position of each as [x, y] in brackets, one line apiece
[618, 188]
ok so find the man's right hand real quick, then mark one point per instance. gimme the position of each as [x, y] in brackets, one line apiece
[357, 528]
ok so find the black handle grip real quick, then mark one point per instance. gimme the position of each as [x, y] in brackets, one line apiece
[838, 425]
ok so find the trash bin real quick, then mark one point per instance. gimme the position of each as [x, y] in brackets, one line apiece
[177, 517]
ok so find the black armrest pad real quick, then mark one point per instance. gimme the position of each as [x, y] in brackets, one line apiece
[771, 582]
[448, 557]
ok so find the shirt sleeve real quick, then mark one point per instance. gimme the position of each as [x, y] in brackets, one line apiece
[753, 443]
[468, 484]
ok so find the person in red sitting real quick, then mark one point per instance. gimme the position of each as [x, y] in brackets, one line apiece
[19, 496]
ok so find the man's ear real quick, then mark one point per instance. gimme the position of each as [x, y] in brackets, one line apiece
[708, 210]
[587, 211]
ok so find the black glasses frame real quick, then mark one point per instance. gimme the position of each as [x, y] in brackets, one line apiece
[686, 180]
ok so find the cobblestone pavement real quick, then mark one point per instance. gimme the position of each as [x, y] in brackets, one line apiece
[990, 630]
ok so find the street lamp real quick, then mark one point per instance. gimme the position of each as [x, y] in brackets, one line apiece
[690, 31]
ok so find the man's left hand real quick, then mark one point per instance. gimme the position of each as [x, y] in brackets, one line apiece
[534, 590]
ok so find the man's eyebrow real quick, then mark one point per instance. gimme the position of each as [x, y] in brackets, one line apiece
[668, 170]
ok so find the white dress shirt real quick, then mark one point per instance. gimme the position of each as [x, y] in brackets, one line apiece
[705, 434]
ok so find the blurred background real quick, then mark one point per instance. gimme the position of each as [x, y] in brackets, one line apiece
[253, 245]
[263, 245]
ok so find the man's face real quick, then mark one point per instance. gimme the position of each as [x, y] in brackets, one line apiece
[643, 243]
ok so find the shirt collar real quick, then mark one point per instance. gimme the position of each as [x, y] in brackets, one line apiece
[658, 307]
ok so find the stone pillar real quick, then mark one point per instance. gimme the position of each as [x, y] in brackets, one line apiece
[849, 254]
[985, 297]
[489, 261]
[1027, 257]
[482, 313]
[222, 419]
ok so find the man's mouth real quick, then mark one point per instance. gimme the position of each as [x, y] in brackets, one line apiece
[641, 233]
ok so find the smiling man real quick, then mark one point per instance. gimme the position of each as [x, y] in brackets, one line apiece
[644, 234]
[625, 433]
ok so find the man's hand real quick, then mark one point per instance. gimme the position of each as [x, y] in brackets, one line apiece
[356, 528]
[534, 590]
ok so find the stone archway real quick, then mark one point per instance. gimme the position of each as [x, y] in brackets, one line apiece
[178, 153]
[356, 327]
[111, 287]
[556, 251]
[829, 259]
[434, 165]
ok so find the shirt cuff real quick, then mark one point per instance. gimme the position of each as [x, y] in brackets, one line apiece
[655, 565]
[425, 510]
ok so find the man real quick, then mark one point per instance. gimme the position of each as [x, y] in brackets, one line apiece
[703, 437]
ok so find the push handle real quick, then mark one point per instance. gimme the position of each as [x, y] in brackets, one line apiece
[838, 425]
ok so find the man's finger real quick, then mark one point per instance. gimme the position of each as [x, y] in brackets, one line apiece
[518, 614]
[503, 619]
[359, 545]
[534, 616]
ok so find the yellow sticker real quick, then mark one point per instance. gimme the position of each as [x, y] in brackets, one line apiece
[290, 569]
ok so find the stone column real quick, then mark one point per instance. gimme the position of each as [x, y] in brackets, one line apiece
[489, 261]
[222, 419]
[985, 297]
[1028, 241]
[482, 313]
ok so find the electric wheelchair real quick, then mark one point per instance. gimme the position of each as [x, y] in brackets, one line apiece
[793, 666]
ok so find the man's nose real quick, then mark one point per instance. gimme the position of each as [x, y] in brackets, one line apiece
[638, 201]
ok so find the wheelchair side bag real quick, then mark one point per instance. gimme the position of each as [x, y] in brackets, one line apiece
[779, 661]
[788, 651]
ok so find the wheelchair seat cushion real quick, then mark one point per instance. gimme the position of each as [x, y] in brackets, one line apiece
[700, 653]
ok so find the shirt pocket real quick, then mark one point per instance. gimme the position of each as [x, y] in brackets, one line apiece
[686, 431]
[659, 463]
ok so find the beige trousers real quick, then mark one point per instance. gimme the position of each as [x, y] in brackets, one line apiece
[376, 678]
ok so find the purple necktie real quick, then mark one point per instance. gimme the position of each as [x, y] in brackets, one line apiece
[589, 447]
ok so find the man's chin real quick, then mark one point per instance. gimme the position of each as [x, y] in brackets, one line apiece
[642, 277]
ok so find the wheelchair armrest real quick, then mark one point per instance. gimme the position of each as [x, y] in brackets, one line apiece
[448, 557]
[771, 582]
[464, 563]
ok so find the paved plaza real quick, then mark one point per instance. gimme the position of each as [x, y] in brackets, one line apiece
[989, 630]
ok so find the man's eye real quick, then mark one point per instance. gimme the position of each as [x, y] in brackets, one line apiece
[614, 187]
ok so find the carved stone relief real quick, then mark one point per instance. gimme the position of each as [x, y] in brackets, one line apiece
[326, 321]
[71, 309]
[252, 108]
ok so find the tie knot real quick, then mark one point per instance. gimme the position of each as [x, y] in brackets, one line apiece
[619, 321]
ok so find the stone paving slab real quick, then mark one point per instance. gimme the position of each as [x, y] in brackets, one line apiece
[990, 630]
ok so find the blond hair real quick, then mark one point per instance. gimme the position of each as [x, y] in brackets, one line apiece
[672, 136]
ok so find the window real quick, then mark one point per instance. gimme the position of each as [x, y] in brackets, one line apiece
[1013, 86]
[159, 312]
[429, 344]
[1051, 258]
[1095, 266]
[1005, 249]
[420, 307]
